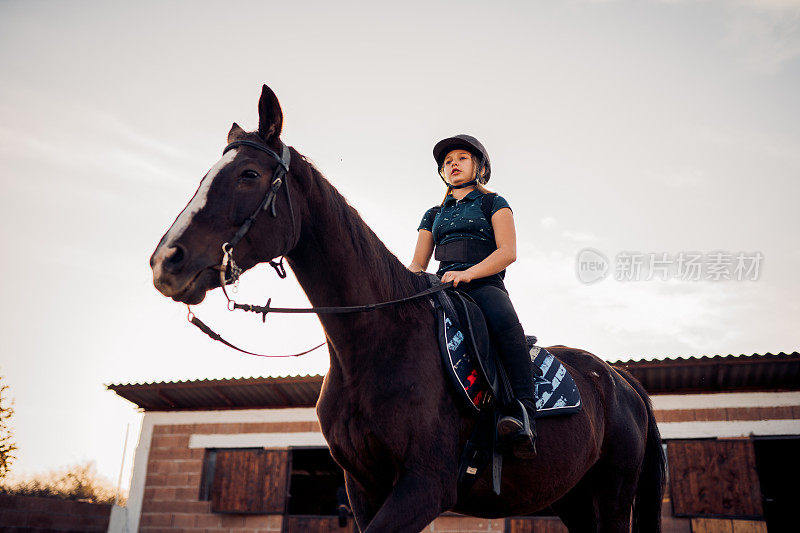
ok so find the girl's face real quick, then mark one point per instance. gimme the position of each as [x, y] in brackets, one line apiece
[458, 167]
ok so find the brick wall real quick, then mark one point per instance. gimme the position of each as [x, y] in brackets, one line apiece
[728, 414]
[172, 486]
[465, 524]
[721, 525]
[172, 483]
[672, 524]
[34, 514]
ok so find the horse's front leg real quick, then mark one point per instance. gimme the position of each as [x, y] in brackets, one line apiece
[416, 500]
[363, 511]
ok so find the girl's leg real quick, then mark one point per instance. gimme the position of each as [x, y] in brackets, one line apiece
[509, 337]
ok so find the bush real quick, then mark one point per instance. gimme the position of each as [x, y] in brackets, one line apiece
[7, 444]
[78, 482]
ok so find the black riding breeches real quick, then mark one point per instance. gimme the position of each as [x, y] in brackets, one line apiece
[492, 297]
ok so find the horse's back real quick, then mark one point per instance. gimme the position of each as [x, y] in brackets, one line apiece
[622, 407]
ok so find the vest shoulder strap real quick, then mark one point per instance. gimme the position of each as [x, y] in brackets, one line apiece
[486, 205]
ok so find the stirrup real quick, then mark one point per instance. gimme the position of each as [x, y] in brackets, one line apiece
[510, 424]
[518, 433]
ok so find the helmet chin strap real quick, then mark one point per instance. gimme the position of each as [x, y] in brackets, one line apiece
[467, 184]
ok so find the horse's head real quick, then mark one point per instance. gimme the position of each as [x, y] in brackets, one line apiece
[187, 260]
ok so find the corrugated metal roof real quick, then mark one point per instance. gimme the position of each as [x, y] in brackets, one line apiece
[234, 393]
[767, 372]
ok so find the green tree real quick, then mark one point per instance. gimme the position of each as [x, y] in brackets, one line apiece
[7, 444]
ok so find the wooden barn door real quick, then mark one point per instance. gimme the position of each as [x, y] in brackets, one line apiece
[714, 478]
[315, 484]
[250, 481]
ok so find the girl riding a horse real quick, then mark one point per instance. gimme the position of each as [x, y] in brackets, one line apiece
[475, 240]
[385, 407]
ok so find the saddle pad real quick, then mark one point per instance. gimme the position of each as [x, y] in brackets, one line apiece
[555, 390]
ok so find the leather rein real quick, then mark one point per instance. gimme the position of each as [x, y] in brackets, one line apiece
[229, 271]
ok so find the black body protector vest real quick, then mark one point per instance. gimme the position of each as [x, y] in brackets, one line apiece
[468, 250]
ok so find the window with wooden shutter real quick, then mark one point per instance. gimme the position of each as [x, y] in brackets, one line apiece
[714, 478]
[315, 481]
[250, 481]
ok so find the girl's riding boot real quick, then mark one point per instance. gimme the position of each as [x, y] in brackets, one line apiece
[519, 430]
[517, 427]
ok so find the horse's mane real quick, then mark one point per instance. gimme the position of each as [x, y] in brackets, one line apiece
[394, 280]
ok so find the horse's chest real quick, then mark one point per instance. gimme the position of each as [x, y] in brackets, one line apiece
[355, 444]
[345, 423]
[356, 435]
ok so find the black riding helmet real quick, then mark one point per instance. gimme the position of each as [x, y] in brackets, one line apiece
[471, 145]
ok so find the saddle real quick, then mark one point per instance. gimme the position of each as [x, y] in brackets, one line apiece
[479, 381]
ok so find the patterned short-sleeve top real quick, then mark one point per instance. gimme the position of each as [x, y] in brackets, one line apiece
[458, 220]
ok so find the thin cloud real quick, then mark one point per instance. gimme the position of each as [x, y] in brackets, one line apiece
[680, 179]
[578, 236]
[766, 33]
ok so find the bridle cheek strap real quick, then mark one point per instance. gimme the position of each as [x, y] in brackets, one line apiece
[281, 171]
[229, 272]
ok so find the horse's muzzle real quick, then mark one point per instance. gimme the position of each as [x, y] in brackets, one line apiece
[175, 278]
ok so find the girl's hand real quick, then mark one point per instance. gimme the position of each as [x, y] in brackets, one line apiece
[457, 276]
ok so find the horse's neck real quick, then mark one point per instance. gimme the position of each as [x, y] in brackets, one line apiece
[340, 262]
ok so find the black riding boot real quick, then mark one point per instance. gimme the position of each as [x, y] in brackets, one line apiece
[517, 427]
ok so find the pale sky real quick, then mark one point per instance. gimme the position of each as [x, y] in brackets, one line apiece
[630, 126]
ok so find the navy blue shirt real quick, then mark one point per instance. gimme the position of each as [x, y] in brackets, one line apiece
[461, 219]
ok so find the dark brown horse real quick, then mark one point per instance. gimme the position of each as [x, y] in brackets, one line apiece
[385, 408]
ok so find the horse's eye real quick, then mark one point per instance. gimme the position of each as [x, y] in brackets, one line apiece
[250, 175]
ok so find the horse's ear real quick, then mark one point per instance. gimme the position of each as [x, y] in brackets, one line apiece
[236, 133]
[270, 116]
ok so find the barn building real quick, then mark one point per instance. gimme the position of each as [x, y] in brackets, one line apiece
[248, 454]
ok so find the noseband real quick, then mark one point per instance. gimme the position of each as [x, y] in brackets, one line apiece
[229, 271]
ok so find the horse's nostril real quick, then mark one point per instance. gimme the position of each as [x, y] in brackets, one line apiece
[174, 257]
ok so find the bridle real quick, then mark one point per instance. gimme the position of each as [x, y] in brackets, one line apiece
[229, 271]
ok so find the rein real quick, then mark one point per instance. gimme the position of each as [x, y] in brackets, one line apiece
[229, 271]
[264, 310]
